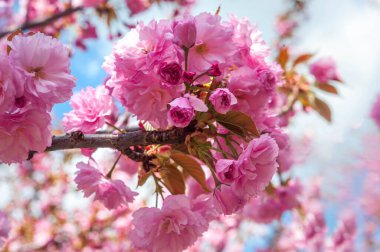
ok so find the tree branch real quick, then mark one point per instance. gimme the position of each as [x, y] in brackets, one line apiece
[40, 23]
[120, 142]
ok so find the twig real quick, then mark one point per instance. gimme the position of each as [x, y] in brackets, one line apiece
[44, 22]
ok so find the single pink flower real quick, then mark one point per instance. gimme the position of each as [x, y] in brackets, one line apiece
[5, 227]
[226, 170]
[257, 164]
[324, 70]
[227, 200]
[137, 6]
[92, 109]
[222, 99]
[213, 43]
[114, 193]
[21, 131]
[173, 228]
[44, 62]
[254, 87]
[182, 110]
[285, 26]
[375, 111]
[87, 178]
[185, 32]
[249, 41]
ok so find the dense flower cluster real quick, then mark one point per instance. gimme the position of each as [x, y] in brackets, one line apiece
[34, 75]
[215, 73]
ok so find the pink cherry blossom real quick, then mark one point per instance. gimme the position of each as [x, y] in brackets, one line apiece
[21, 131]
[137, 76]
[375, 112]
[92, 109]
[226, 170]
[182, 110]
[174, 227]
[285, 26]
[222, 99]
[257, 164]
[91, 3]
[263, 209]
[228, 201]
[343, 239]
[213, 42]
[254, 87]
[324, 70]
[185, 32]
[249, 41]
[7, 88]
[137, 6]
[5, 227]
[44, 62]
[87, 178]
[112, 193]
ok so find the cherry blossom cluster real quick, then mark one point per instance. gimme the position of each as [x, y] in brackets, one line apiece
[202, 74]
[34, 75]
[54, 16]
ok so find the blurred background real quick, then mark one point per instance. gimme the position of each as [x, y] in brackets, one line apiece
[346, 30]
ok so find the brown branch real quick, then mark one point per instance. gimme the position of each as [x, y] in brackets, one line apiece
[120, 142]
[41, 23]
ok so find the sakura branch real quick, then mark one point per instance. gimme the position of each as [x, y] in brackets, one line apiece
[43, 22]
[119, 142]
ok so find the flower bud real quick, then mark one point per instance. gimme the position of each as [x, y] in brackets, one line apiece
[222, 99]
[188, 76]
[214, 70]
[185, 32]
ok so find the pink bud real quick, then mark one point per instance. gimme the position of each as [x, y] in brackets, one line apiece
[188, 76]
[214, 70]
[222, 99]
[181, 112]
[185, 32]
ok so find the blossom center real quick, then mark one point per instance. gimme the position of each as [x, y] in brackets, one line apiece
[201, 49]
[38, 73]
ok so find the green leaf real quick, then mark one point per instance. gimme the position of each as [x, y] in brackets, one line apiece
[192, 167]
[173, 179]
[238, 123]
[327, 88]
[322, 108]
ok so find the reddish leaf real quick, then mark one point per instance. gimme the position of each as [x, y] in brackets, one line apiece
[192, 167]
